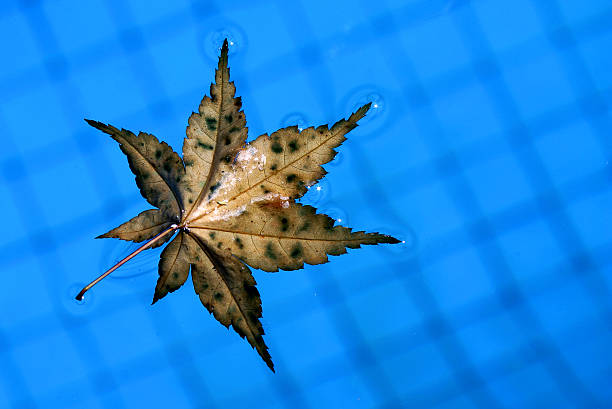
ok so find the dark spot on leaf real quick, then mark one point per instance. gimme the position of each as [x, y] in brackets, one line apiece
[284, 224]
[276, 147]
[203, 145]
[175, 275]
[228, 140]
[188, 163]
[190, 200]
[270, 251]
[296, 252]
[227, 158]
[215, 187]
[291, 177]
[212, 235]
[293, 146]
[218, 296]
[274, 166]
[211, 123]
[167, 166]
[239, 243]
[204, 286]
[219, 245]
[158, 154]
[229, 118]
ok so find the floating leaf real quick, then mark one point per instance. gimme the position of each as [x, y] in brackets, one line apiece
[232, 203]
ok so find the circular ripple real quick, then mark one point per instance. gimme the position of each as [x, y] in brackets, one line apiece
[144, 263]
[212, 41]
[379, 114]
[295, 118]
[75, 307]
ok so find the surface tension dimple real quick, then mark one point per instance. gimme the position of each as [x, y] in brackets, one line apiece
[295, 119]
[379, 113]
[74, 306]
[212, 40]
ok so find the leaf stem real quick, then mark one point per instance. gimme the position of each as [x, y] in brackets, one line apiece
[145, 246]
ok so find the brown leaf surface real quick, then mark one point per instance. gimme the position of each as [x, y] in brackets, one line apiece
[174, 265]
[214, 135]
[280, 166]
[234, 203]
[270, 237]
[226, 288]
[158, 169]
[140, 228]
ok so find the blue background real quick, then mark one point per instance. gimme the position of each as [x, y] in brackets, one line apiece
[488, 153]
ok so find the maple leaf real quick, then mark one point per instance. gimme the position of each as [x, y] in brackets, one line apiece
[229, 203]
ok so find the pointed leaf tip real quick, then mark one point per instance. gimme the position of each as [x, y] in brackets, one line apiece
[360, 113]
[386, 239]
[365, 108]
[225, 47]
[391, 240]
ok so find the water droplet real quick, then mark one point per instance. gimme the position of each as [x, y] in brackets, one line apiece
[74, 306]
[144, 263]
[379, 114]
[212, 41]
[295, 118]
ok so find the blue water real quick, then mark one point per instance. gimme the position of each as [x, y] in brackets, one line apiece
[487, 153]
